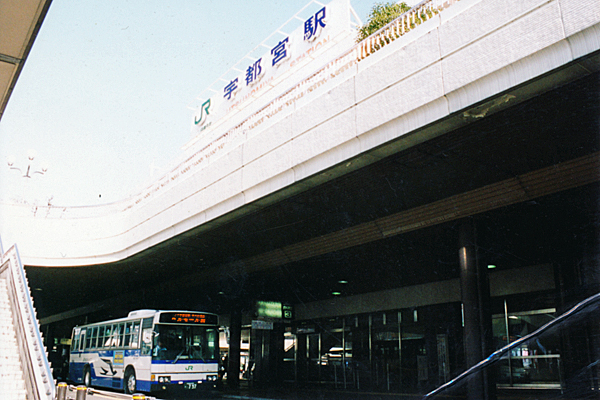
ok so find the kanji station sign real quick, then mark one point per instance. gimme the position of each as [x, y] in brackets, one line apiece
[286, 55]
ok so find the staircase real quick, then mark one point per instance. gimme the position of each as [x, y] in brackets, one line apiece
[12, 383]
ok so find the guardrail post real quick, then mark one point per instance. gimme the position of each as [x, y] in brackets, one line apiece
[62, 391]
[81, 393]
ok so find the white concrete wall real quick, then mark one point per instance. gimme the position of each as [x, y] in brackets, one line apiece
[463, 57]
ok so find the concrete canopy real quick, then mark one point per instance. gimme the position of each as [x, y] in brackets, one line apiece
[299, 249]
[20, 21]
[374, 184]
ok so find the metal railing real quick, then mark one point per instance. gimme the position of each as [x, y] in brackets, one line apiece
[37, 373]
[418, 14]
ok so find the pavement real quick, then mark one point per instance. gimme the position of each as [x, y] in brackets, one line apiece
[307, 393]
[294, 392]
[95, 394]
[315, 393]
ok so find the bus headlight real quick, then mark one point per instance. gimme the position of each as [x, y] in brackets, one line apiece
[164, 379]
[212, 378]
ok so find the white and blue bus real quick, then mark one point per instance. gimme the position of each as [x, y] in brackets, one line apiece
[147, 351]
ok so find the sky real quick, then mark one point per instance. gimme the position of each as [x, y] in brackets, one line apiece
[102, 101]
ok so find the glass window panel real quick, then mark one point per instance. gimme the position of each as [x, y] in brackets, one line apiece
[108, 335]
[135, 335]
[535, 362]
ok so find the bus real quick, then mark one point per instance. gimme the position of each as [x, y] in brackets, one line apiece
[147, 351]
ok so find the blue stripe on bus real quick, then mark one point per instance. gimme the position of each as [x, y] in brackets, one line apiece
[109, 353]
[76, 371]
[76, 375]
[184, 362]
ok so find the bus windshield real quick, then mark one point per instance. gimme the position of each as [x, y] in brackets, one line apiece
[173, 343]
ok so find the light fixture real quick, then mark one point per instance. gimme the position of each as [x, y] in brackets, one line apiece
[28, 173]
[491, 266]
[343, 282]
[336, 293]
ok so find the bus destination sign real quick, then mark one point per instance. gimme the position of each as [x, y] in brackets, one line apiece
[188, 318]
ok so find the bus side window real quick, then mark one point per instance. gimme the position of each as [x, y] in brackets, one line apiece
[118, 340]
[123, 334]
[95, 338]
[75, 340]
[107, 335]
[135, 335]
[100, 337]
[91, 338]
[114, 340]
[146, 341]
[147, 337]
[90, 341]
[127, 337]
[82, 340]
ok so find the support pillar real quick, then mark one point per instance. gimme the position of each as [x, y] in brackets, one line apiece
[235, 339]
[277, 352]
[476, 313]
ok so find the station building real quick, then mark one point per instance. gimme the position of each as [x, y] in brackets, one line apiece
[372, 216]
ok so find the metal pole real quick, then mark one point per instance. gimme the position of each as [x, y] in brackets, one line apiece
[399, 350]
[510, 377]
[471, 304]
[61, 392]
[334, 374]
[371, 346]
[319, 355]
[81, 393]
[344, 350]
[387, 366]
[235, 334]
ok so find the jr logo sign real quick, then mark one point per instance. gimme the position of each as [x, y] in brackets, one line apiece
[203, 113]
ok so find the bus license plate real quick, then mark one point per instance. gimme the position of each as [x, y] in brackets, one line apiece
[190, 385]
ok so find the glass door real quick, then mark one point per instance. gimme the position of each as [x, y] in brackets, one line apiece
[536, 363]
[386, 342]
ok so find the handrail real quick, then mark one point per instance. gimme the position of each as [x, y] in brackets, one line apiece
[36, 368]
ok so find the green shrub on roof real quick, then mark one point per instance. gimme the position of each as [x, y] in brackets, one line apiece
[380, 15]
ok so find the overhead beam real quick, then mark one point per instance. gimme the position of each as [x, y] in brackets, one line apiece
[9, 59]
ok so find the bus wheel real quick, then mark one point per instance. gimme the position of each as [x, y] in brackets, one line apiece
[87, 376]
[129, 382]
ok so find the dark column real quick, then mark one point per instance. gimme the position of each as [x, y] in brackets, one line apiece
[260, 357]
[301, 362]
[235, 338]
[277, 353]
[591, 285]
[477, 313]
[578, 276]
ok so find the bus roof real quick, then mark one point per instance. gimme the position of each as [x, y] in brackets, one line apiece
[144, 313]
[141, 313]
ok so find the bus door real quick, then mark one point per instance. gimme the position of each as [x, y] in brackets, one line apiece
[81, 342]
[76, 361]
[111, 361]
[313, 345]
